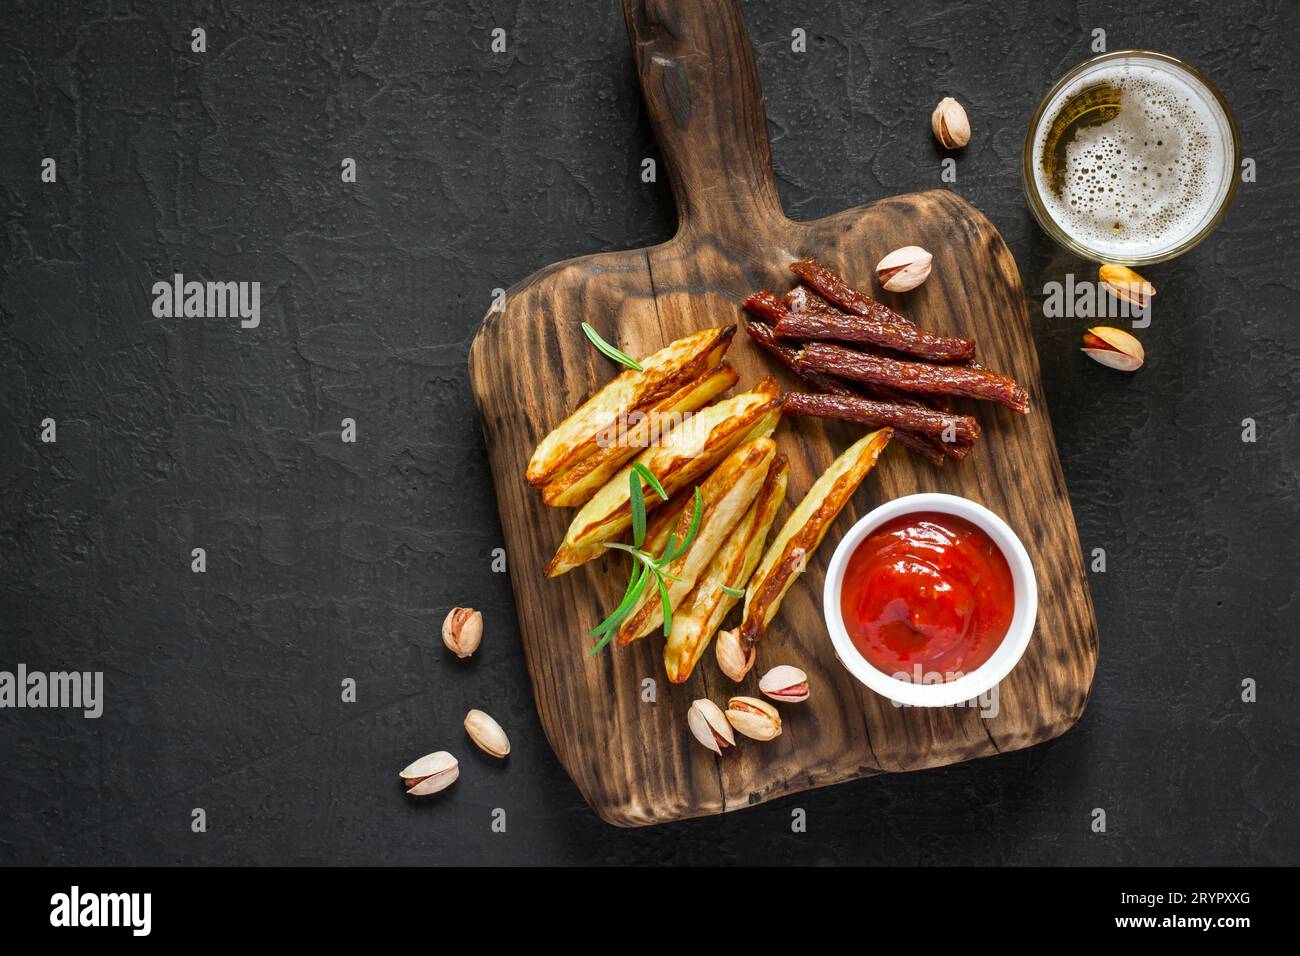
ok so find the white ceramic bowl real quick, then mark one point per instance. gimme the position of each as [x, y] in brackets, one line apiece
[1008, 653]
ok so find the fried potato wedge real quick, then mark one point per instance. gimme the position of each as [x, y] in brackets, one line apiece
[787, 556]
[683, 455]
[698, 616]
[632, 434]
[725, 497]
[577, 437]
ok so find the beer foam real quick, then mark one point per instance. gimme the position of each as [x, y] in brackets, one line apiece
[1149, 179]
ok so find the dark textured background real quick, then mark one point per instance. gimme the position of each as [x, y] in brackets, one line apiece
[329, 560]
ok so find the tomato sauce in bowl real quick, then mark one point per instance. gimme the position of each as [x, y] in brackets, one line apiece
[927, 594]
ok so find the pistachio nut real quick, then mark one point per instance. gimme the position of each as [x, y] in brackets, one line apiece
[1126, 285]
[785, 683]
[709, 725]
[431, 773]
[462, 631]
[733, 659]
[950, 125]
[486, 734]
[756, 719]
[1114, 348]
[904, 269]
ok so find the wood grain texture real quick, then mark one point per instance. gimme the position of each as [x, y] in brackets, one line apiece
[530, 364]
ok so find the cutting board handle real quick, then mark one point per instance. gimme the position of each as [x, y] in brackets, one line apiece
[701, 88]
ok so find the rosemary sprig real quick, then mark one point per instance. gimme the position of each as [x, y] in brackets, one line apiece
[609, 351]
[636, 497]
[650, 561]
[666, 605]
[607, 628]
[646, 567]
[650, 479]
[673, 551]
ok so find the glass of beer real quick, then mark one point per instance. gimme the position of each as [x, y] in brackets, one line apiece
[1132, 158]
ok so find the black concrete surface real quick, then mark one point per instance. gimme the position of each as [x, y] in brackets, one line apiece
[328, 561]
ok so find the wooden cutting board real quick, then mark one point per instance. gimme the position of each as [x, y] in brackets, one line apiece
[634, 759]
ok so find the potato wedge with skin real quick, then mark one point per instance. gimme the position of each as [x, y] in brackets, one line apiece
[685, 453]
[725, 496]
[640, 430]
[788, 555]
[697, 618]
[754, 551]
[577, 437]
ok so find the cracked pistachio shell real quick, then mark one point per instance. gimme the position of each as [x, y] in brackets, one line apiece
[733, 659]
[431, 773]
[904, 269]
[709, 725]
[950, 125]
[1113, 348]
[785, 683]
[462, 631]
[1125, 284]
[756, 719]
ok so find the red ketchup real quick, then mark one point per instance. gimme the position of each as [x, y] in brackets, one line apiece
[928, 596]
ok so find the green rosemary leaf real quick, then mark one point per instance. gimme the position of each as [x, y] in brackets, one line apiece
[697, 514]
[637, 499]
[668, 549]
[608, 350]
[679, 550]
[650, 479]
[641, 556]
[609, 627]
[605, 639]
[667, 605]
[635, 586]
[734, 592]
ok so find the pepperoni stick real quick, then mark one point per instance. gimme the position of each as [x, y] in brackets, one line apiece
[915, 376]
[788, 355]
[928, 448]
[768, 306]
[835, 325]
[957, 450]
[831, 287]
[881, 414]
[838, 327]
[803, 299]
